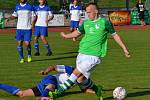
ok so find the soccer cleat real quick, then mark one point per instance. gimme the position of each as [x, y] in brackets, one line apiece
[99, 93]
[37, 54]
[29, 59]
[49, 53]
[22, 61]
[53, 95]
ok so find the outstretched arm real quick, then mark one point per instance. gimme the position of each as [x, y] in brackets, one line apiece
[119, 41]
[47, 70]
[70, 35]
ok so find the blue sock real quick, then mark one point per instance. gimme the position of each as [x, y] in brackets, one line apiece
[29, 50]
[36, 46]
[20, 51]
[48, 47]
[11, 89]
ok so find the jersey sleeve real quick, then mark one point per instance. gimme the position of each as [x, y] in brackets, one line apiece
[64, 69]
[109, 27]
[81, 29]
[50, 12]
[15, 12]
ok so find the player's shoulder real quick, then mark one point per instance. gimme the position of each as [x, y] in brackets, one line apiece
[106, 20]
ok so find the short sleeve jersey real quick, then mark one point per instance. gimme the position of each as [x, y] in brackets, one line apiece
[25, 13]
[75, 12]
[42, 12]
[95, 33]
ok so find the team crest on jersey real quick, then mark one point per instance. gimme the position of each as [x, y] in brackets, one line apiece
[97, 26]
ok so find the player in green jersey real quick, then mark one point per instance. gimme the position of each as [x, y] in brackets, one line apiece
[92, 47]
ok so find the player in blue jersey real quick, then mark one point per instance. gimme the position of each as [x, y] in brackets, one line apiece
[24, 13]
[75, 11]
[48, 83]
[43, 16]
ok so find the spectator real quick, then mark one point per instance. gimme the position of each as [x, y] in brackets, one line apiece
[140, 7]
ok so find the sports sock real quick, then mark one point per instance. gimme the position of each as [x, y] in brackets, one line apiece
[48, 48]
[11, 89]
[36, 46]
[29, 50]
[67, 84]
[88, 83]
[20, 51]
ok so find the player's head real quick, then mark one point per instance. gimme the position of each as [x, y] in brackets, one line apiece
[92, 11]
[42, 2]
[140, 1]
[23, 1]
[75, 2]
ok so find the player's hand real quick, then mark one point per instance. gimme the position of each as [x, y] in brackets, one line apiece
[46, 98]
[127, 54]
[62, 34]
[43, 98]
[7, 20]
[74, 39]
[42, 72]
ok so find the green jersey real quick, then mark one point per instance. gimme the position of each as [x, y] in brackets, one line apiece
[95, 33]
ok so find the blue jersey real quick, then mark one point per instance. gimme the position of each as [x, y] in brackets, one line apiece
[43, 12]
[25, 14]
[75, 12]
[58, 79]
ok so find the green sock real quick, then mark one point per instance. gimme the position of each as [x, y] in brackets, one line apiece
[67, 84]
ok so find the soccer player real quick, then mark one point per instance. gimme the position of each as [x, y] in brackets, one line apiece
[75, 11]
[24, 13]
[48, 83]
[92, 47]
[43, 16]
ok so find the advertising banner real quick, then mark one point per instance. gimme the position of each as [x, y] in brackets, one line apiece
[58, 20]
[119, 17]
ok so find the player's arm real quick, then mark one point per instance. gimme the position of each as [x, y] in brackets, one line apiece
[117, 38]
[70, 35]
[50, 18]
[10, 18]
[119, 41]
[34, 20]
[47, 70]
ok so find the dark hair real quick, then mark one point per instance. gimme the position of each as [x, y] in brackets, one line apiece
[93, 4]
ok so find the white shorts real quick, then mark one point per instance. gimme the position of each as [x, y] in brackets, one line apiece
[85, 63]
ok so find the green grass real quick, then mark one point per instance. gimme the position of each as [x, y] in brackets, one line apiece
[115, 70]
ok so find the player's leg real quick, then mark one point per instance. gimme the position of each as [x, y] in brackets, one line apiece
[73, 28]
[84, 65]
[88, 86]
[36, 37]
[25, 93]
[19, 38]
[44, 34]
[20, 51]
[36, 46]
[27, 39]
[10, 89]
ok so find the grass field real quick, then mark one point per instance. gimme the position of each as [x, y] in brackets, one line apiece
[115, 70]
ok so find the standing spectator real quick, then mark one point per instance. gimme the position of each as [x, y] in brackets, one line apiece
[43, 16]
[24, 13]
[140, 7]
